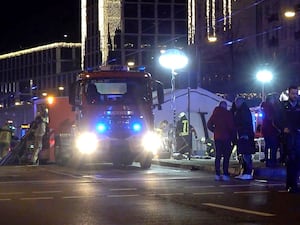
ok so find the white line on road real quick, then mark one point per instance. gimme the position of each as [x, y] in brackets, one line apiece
[209, 193]
[166, 194]
[11, 193]
[235, 185]
[249, 192]
[121, 196]
[123, 189]
[45, 192]
[239, 209]
[204, 186]
[37, 198]
[78, 196]
[4, 199]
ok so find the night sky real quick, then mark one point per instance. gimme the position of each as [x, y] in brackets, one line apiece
[32, 23]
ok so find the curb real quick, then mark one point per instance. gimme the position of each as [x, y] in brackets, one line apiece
[277, 173]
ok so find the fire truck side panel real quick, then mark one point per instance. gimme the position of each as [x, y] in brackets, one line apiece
[61, 118]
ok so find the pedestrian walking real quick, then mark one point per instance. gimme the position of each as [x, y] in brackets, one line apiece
[222, 125]
[270, 130]
[291, 130]
[245, 137]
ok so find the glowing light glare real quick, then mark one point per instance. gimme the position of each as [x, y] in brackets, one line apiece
[101, 127]
[87, 143]
[136, 127]
[264, 76]
[290, 14]
[152, 142]
[173, 59]
[50, 100]
[212, 39]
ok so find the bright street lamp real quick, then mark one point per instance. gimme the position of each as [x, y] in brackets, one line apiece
[264, 76]
[173, 59]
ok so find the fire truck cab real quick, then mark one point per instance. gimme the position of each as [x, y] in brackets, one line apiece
[114, 119]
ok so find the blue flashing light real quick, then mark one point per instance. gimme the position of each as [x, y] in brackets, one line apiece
[141, 68]
[260, 114]
[101, 127]
[137, 127]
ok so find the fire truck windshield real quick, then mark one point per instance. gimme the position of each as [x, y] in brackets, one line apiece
[116, 90]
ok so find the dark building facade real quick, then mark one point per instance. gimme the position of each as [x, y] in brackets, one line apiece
[226, 41]
[132, 32]
[40, 69]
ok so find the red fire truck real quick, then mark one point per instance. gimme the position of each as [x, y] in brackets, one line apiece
[114, 121]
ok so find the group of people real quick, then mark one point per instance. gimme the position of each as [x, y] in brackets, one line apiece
[280, 129]
[37, 131]
[232, 127]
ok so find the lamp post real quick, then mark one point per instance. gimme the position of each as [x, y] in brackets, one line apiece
[173, 59]
[264, 76]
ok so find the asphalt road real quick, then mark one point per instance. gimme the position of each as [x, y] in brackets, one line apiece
[100, 194]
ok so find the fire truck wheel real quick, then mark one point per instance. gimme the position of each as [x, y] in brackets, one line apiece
[146, 163]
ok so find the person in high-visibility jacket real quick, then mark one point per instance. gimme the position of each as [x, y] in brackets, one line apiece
[184, 133]
[5, 139]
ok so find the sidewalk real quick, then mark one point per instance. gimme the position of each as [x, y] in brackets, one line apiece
[207, 164]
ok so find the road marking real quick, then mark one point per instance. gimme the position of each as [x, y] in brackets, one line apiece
[37, 198]
[123, 189]
[250, 192]
[207, 186]
[121, 196]
[239, 209]
[234, 185]
[209, 193]
[166, 194]
[4, 199]
[12, 193]
[45, 192]
[78, 196]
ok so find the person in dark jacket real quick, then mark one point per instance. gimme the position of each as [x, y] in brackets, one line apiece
[245, 134]
[222, 125]
[291, 129]
[270, 130]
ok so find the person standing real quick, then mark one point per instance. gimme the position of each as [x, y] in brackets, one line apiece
[184, 132]
[39, 132]
[245, 137]
[5, 139]
[291, 130]
[270, 130]
[222, 125]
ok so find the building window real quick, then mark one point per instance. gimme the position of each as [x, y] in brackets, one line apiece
[130, 41]
[147, 11]
[180, 27]
[164, 11]
[164, 27]
[147, 41]
[130, 10]
[131, 26]
[148, 26]
[180, 12]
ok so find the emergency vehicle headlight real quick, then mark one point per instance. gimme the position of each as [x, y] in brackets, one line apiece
[152, 142]
[101, 127]
[87, 143]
